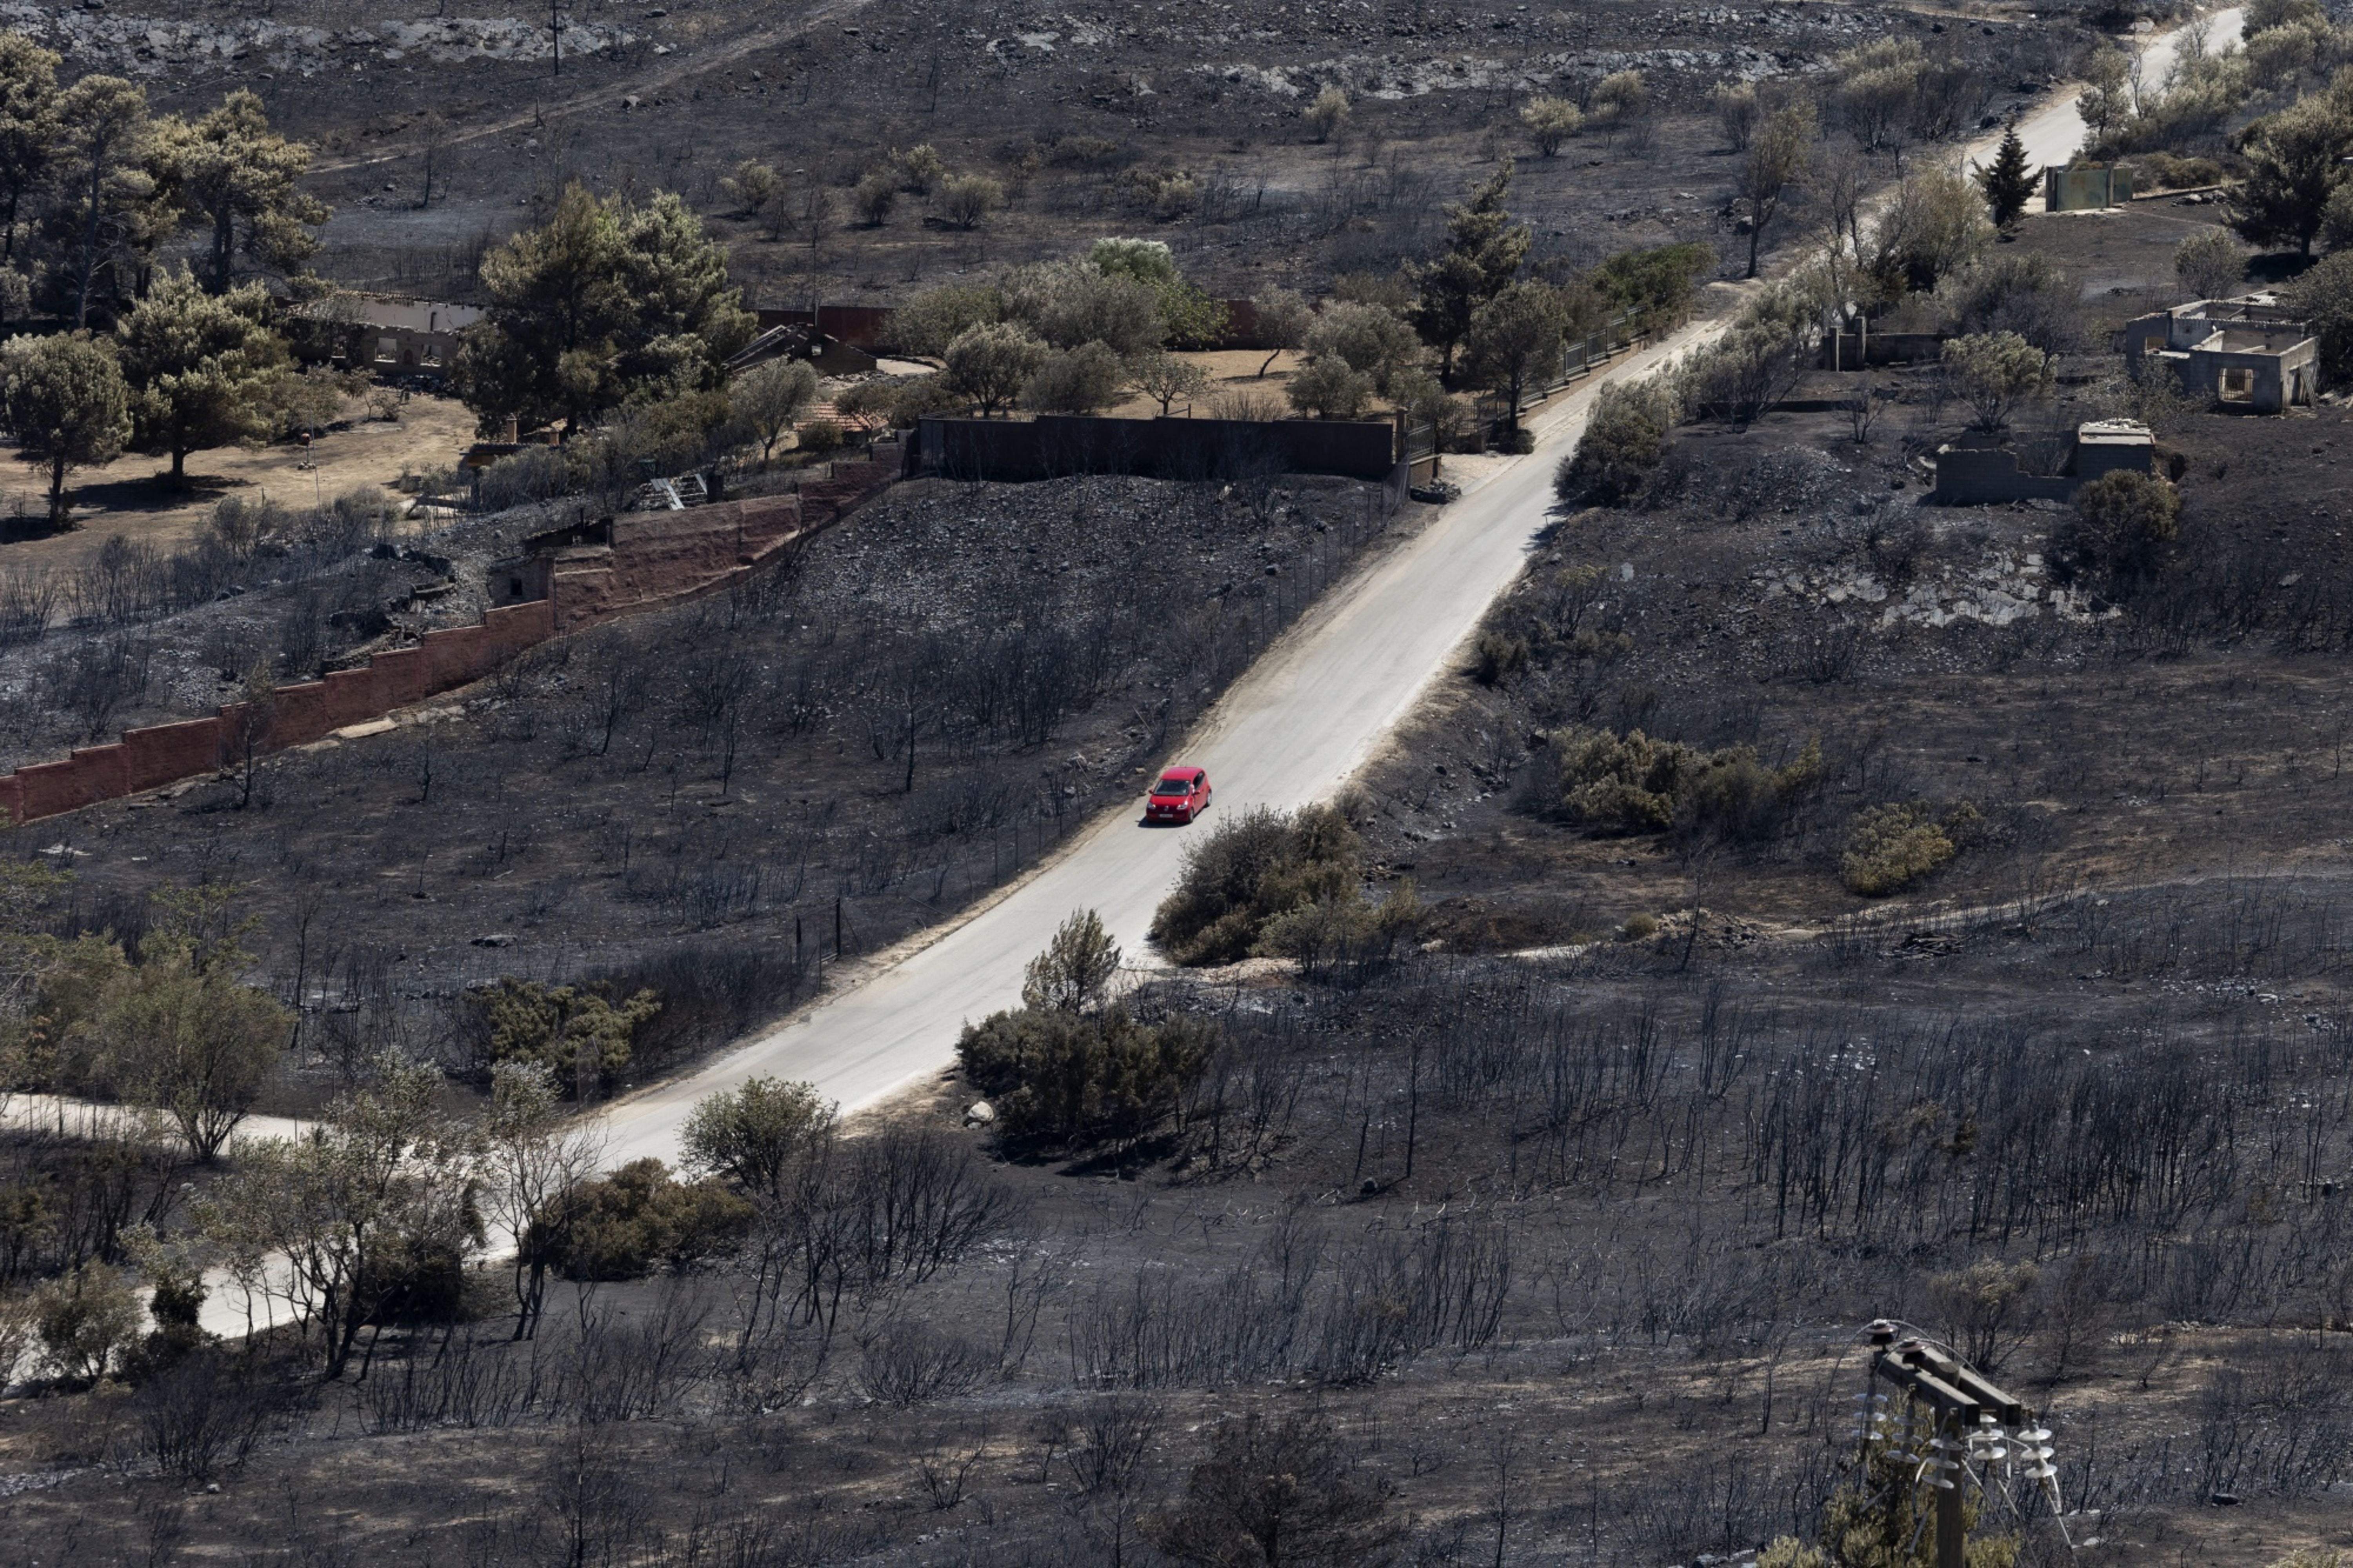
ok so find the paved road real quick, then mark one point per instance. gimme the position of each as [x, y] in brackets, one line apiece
[2054, 134]
[1290, 732]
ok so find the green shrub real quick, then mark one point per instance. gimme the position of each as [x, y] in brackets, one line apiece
[1075, 1079]
[1639, 928]
[1084, 380]
[618, 1228]
[579, 1033]
[1252, 868]
[2121, 523]
[1625, 440]
[1338, 925]
[1656, 285]
[2165, 171]
[818, 437]
[85, 1319]
[1500, 658]
[1893, 847]
[1608, 784]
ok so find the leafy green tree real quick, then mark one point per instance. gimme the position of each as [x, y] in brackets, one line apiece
[1163, 377]
[109, 205]
[1936, 225]
[1254, 868]
[932, 319]
[1654, 286]
[766, 1136]
[582, 1034]
[1995, 372]
[1084, 380]
[2324, 296]
[965, 199]
[1368, 338]
[64, 400]
[180, 1031]
[1282, 319]
[1737, 111]
[29, 127]
[606, 302]
[1550, 123]
[2122, 523]
[771, 398]
[1776, 161]
[343, 1221]
[2210, 263]
[1330, 388]
[235, 177]
[1516, 344]
[752, 187]
[2105, 102]
[1072, 1081]
[2295, 162]
[85, 1321]
[1189, 317]
[619, 1228]
[1484, 249]
[204, 369]
[1624, 442]
[990, 365]
[539, 1158]
[876, 192]
[2009, 181]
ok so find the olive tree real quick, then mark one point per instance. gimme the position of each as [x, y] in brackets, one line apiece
[990, 363]
[1282, 317]
[1516, 341]
[342, 1221]
[771, 398]
[1165, 377]
[2209, 264]
[1776, 161]
[1995, 371]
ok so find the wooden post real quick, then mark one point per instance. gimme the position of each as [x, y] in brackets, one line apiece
[1958, 1395]
[1951, 1532]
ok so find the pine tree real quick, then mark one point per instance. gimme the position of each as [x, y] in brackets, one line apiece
[2009, 181]
[1484, 252]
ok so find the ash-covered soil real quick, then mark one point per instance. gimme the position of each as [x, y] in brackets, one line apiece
[436, 134]
[926, 698]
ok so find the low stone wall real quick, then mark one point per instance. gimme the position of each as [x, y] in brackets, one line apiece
[655, 559]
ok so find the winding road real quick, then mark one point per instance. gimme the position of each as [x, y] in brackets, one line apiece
[1292, 730]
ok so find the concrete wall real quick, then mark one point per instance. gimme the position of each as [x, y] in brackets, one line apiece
[1988, 475]
[1853, 350]
[656, 559]
[1017, 451]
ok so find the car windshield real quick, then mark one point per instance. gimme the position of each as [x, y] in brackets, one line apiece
[1174, 784]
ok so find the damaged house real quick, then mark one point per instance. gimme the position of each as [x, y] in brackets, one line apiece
[2247, 353]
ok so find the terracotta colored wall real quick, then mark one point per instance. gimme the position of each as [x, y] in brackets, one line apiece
[657, 558]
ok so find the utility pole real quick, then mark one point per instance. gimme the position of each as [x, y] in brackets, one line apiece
[1963, 1402]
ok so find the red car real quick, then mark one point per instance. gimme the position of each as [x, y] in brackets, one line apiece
[1182, 795]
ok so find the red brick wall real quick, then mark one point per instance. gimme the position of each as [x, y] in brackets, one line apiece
[656, 559]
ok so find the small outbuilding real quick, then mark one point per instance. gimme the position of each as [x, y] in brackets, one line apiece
[1984, 474]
